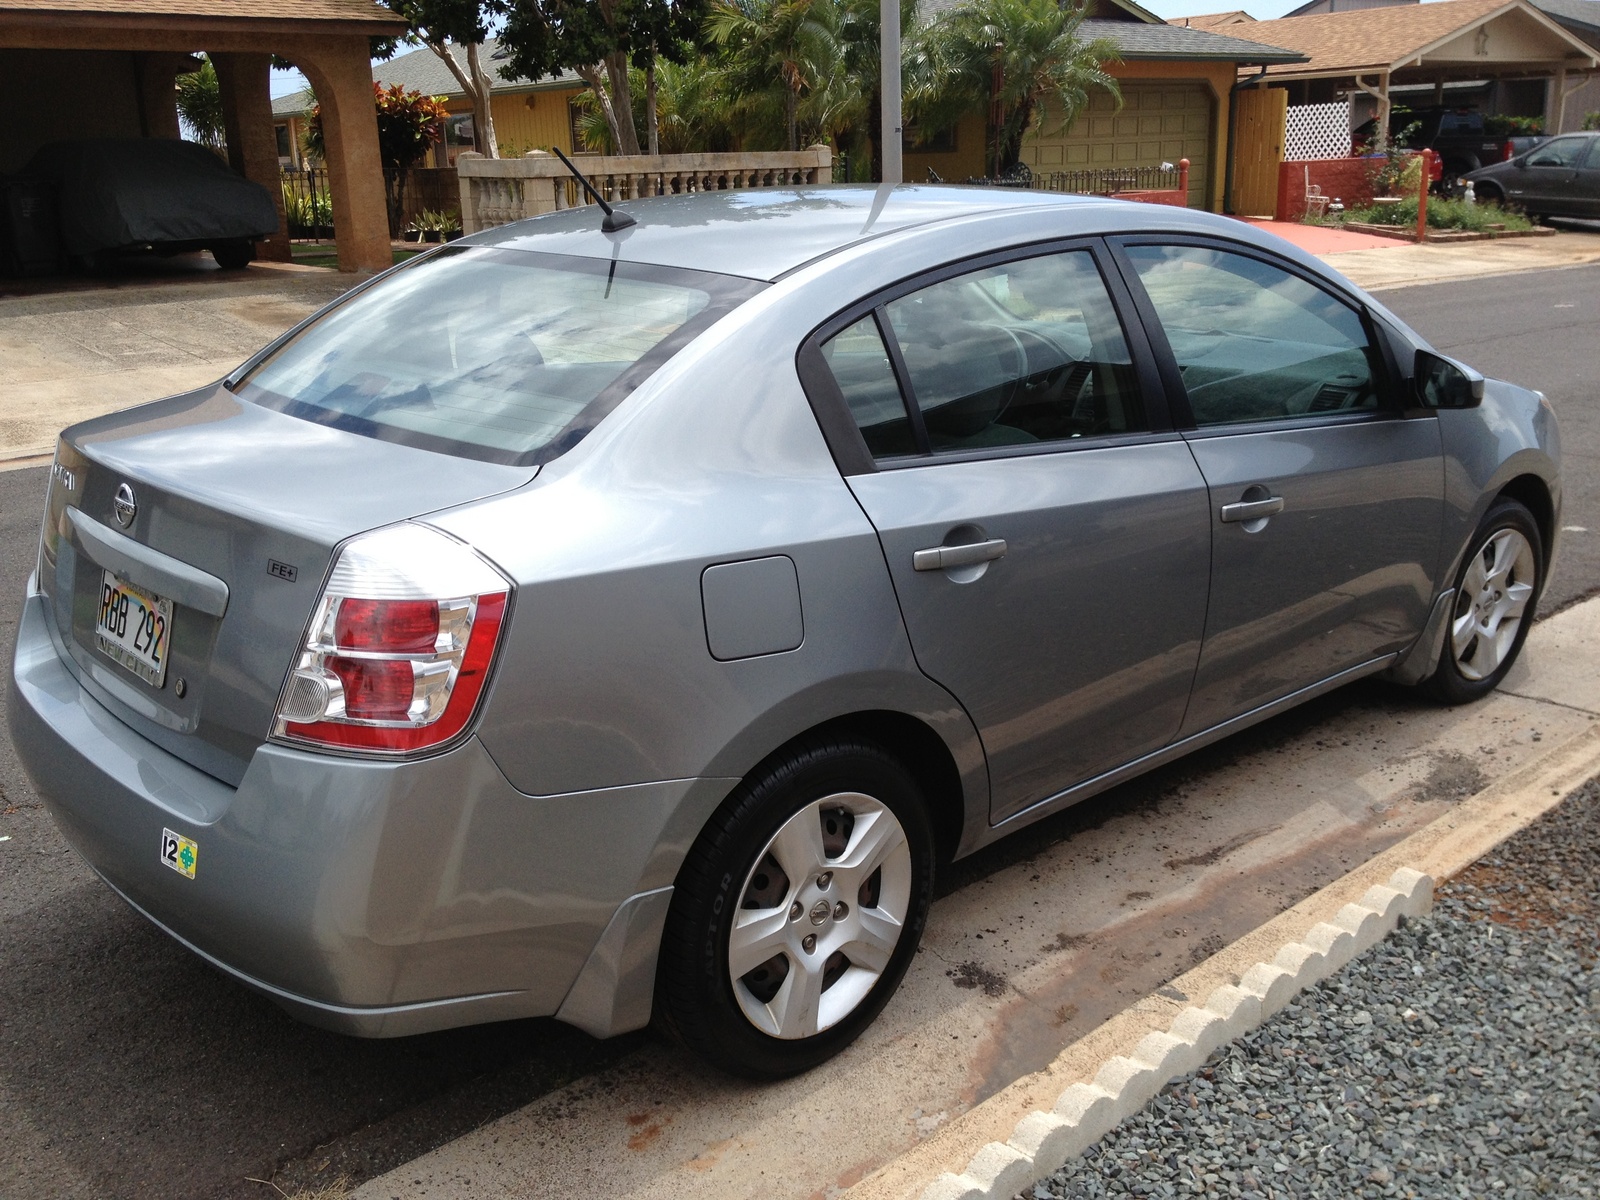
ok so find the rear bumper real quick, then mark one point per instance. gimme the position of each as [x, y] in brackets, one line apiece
[374, 898]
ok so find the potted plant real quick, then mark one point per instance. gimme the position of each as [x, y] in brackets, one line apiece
[451, 225]
[431, 224]
[412, 232]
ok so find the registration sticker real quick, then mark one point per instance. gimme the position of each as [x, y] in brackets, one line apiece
[179, 853]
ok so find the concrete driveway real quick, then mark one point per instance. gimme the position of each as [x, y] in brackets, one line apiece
[70, 355]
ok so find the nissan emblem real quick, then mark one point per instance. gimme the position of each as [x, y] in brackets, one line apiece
[124, 506]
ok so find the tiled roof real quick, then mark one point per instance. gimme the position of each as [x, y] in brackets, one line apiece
[254, 10]
[423, 71]
[1575, 14]
[1220, 20]
[1139, 41]
[1372, 39]
[294, 103]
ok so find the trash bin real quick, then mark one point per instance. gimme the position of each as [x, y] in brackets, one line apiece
[30, 241]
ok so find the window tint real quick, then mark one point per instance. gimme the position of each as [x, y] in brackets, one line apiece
[1592, 162]
[1562, 152]
[1025, 352]
[861, 367]
[1255, 343]
[495, 354]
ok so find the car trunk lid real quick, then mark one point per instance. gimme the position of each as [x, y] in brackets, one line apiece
[230, 514]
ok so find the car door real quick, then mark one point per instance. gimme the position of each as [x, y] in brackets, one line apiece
[1045, 529]
[1586, 188]
[1543, 182]
[1326, 497]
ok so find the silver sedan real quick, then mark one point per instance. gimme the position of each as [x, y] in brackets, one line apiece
[626, 625]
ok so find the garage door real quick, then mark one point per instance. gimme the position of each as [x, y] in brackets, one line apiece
[1158, 122]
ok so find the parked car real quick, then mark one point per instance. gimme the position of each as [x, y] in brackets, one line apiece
[1457, 136]
[1558, 178]
[116, 196]
[627, 624]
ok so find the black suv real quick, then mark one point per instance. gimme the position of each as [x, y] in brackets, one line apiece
[1458, 138]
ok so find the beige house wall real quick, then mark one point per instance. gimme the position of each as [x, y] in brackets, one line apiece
[1089, 141]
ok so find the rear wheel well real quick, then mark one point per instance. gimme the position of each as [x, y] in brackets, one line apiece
[920, 750]
[1531, 492]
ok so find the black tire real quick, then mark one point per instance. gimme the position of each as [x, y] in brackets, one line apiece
[1452, 681]
[235, 254]
[695, 991]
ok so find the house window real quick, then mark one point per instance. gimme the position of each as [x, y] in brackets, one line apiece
[285, 150]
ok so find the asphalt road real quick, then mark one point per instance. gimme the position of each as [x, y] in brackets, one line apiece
[1534, 330]
[128, 1068]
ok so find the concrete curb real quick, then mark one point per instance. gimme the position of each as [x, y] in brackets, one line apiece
[1086, 1112]
[1003, 1138]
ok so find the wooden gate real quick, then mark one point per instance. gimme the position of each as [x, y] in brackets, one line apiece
[1260, 119]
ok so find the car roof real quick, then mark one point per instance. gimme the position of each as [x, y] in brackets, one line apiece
[765, 233]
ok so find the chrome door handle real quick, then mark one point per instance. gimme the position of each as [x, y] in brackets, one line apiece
[1252, 510]
[942, 558]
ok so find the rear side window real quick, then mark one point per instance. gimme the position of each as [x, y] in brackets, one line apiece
[490, 353]
[1017, 354]
[861, 367]
[1254, 342]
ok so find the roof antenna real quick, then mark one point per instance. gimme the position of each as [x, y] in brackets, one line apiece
[614, 220]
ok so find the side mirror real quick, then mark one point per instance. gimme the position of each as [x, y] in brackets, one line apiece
[1444, 383]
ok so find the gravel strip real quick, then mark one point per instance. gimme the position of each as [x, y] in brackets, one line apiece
[1458, 1058]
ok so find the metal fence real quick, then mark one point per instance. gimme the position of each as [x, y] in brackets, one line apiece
[1097, 181]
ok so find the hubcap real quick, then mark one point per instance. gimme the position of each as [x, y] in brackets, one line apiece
[1489, 609]
[820, 915]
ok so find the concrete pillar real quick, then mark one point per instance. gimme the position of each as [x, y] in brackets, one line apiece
[245, 83]
[156, 75]
[340, 71]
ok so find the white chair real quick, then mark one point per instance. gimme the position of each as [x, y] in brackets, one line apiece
[1316, 202]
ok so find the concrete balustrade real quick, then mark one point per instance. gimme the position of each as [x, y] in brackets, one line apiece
[497, 191]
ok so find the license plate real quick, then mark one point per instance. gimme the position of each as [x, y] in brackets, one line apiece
[134, 628]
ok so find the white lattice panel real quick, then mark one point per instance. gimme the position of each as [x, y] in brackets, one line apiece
[1317, 131]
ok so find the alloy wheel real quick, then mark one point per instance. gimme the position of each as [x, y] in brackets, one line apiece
[1491, 604]
[820, 915]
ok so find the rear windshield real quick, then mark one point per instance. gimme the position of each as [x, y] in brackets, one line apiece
[490, 353]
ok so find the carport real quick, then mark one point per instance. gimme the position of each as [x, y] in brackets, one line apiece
[106, 68]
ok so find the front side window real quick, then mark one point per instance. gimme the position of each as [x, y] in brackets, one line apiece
[502, 355]
[1562, 152]
[1254, 342]
[1018, 354]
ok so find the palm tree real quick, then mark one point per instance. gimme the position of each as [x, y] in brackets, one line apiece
[782, 46]
[200, 106]
[1022, 58]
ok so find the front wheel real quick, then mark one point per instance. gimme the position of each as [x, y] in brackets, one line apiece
[1496, 589]
[797, 911]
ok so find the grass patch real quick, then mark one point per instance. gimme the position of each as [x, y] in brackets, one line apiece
[1443, 213]
[326, 254]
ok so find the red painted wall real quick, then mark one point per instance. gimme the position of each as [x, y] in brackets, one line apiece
[1344, 178]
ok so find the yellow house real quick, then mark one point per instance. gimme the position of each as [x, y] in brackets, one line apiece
[527, 115]
[1176, 86]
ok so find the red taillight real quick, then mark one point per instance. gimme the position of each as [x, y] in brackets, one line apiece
[394, 626]
[1507, 151]
[375, 689]
[385, 669]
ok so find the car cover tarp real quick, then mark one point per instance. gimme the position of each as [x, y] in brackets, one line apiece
[113, 193]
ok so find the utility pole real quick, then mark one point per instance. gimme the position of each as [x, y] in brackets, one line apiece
[889, 57]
